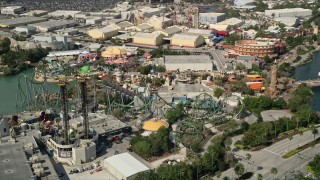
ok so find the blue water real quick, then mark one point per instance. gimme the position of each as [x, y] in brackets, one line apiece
[311, 71]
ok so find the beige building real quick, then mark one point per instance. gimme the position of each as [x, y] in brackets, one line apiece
[255, 48]
[187, 40]
[103, 33]
[122, 25]
[160, 22]
[148, 39]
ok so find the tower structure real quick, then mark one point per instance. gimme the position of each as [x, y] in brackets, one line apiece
[272, 90]
[84, 107]
[64, 107]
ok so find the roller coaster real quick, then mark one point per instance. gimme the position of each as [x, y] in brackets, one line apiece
[199, 111]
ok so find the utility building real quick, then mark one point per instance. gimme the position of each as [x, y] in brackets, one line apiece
[103, 33]
[187, 62]
[187, 40]
[292, 12]
[124, 166]
[148, 39]
[211, 18]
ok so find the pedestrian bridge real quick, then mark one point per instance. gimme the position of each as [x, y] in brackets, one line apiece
[311, 83]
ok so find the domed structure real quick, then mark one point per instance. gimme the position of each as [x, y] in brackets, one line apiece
[113, 52]
[154, 124]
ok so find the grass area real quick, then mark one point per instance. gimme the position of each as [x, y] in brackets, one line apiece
[309, 169]
[301, 148]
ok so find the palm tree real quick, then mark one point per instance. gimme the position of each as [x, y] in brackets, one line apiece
[314, 132]
[248, 157]
[274, 171]
[239, 169]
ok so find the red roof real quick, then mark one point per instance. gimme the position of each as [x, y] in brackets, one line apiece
[255, 86]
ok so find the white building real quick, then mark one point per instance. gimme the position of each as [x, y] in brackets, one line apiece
[25, 29]
[239, 3]
[187, 62]
[94, 20]
[53, 25]
[63, 13]
[292, 12]
[124, 166]
[288, 21]
[53, 41]
[210, 18]
[13, 10]
[4, 128]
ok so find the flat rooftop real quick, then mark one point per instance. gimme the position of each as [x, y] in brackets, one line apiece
[185, 59]
[54, 23]
[14, 164]
[100, 122]
[21, 20]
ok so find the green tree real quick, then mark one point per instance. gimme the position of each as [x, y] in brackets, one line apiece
[274, 171]
[314, 132]
[239, 169]
[259, 177]
[143, 148]
[315, 166]
[267, 59]
[218, 92]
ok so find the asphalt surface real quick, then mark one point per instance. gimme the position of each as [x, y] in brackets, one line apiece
[271, 156]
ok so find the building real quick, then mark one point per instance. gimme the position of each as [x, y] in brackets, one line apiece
[187, 62]
[20, 21]
[85, 152]
[292, 12]
[53, 41]
[122, 25]
[4, 128]
[13, 10]
[94, 20]
[232, 22]
[255, 48]
[103, 33]
[240, 3]
[288, 21]
[25, 29]
[68, 31]
[205, 33]
[36, 13]
[187, 40]
[210, 18]
[250, 34]
[148, 39]
[63, 13]
[170, 31]
[53, 25]
[147, 11]
[124, 166]
[159, 23]
[145, 27]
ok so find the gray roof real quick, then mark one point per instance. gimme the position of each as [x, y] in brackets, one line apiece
[13, 164]
[21, 20]
[53, 23]
[124, 24]
[107, 29]
[172, 30]
[184, 59]
[126, 164]
[144, 26]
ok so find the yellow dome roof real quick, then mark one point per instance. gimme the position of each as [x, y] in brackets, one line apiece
[112, 52]
[154, 124]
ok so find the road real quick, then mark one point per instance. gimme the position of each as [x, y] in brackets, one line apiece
[272, 157]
